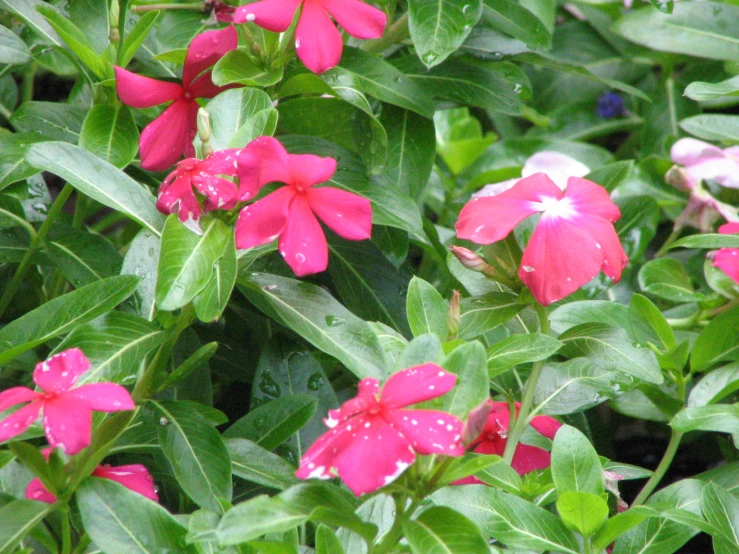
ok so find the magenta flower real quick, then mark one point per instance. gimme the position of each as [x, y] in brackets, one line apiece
[170, 135]
[572, 242]
[373, 439]
[704, 161]
[727, 259]
[290, 212]
[494, 437]
[318, 42]
[67, 410]
[176, 193]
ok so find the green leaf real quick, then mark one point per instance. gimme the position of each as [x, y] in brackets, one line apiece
[273, 423]
[210, 303]
[320, 319]
[518, 22]
[258, 465]
[439, 27]
[110, 133]
[115, 344]
[715, 385]
[141, 260]
[62, 314]
[55, 121]
[571, 314]
[238, 67]
[13, 165]
[426, 309]
[582, 511]
[667, 278]
[256, 517]
[648, 323]
[186, 260]
[13, 50]
[25, 10]
[83, 258]
[705, 31]
[721, 509]
[136, 36]
[196, 452]
[717, 342]
[575, 463]
[610, 348]
[97, 179]
[723, 418]
[511, 520]
[701, 91]
[638, 224]
[376, 77]
[480, 314]
[441, 530]
[712, 127]
[467, 361]
[618, 525]
[520, 349]
[574, 386]
[17, 519]
[327, 542]
[121, 521]
[239, 116]
[92, 19]
[611, 175]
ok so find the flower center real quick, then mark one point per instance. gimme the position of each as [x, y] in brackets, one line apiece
[552, 207]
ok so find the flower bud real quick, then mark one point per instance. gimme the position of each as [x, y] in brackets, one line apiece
[679, 178]
[472, 261]
[114, 17]
[476, 422]
[204, 131]
[453, 315]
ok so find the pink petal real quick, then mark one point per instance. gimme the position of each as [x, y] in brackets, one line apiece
[176, 197]
[273, 15]
[67, 423]
[558, 167]
[493, 444]
[16, 395]
[722, 170]
[727, 260]
[688, 151]
[307, 170]
[135, 477]
[348, 214]
[221, 162]
[144, 92]
[37, 491]
[359, 19]
[203, 87]
[489, 219]
[566, 251]
[499, 418]
[218, 192]
[319, 460]
[263, 160]
[224, 12]
[430, 431]
[529, 458]
[264, 220]
[318, 42]
[589, 198]
[729, 228]
[547, 426]
[205, 50]
[102, 397]
[303, 243]
[366, 398]
[376, 457]
[20, 420]
[61, 371]
[169, 136]
[416, 384]
[495, 189]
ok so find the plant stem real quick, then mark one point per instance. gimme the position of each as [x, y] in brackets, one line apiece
[80, 210]
[29, 75]
[662, 468]
[398, 31]
[668, 242]
[527, 400]
[396, 531]
[153, 7]
[36, 243]
[82, 544]
[66, 531]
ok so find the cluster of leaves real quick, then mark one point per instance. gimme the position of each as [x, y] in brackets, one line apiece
[233, 362]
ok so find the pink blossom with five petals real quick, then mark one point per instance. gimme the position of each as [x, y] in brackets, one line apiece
[67, 411]
[318, 42]
[170, 135]
[727, 259]
[373, 439]
[290, 212]
[573, 241]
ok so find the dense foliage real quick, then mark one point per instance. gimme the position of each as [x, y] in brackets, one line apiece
[411, 276]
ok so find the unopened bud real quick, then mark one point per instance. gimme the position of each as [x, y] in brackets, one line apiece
[678, 178]
[472, 261]
[476, 422]
[204, 131]
[114, 14]
[453, 314]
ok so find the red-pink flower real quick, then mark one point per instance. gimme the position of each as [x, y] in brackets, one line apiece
[572, 242]
[373, 439]
[494, 437]
[727, 259]
[170, 135]
[290, 212]
[223, 12]
[176, 193]
[67, 410]
[318, 42]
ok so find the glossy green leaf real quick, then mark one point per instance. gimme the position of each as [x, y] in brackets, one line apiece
[638, 224]
[55, 121]
[13, 50]
[721, 509]
[240, 115]
[256, 517]
[648, 323]
[582, 511]
[717, 342]
[701, 91]
[480, 314]
[571, 314]
[186, 260]
[63, 314]
[441, 530]
[238, 67]
[327, 542]
[426, 309]
[574, 386]
[110, 133]
[439, 27]
[716, 417]
[519, 349]
[196, 452]
[715, 385]
[517, 21]
[13, 165]
[141, 260]
[667, 278]
[467, 362]
[83, 258]
[99, 180]
[575, 463]
[258, 465]
[210, 303]
[135, 37]
[25, 10]
[17, 519]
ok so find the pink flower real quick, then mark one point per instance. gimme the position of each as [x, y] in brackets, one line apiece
[290, 212]
[373, 440]
[171, 134]
[176, 193]
[727, 259]
[494, 437]
[318, 42]
[67, 411]
[135, 477]
[572, 242]
[704, 161]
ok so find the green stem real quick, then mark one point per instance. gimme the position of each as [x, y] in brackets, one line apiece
[527, 400]
[391, 539]
[662, 468]
[587, 545]
[153, 7]
[668, 242]
[66, 531]
[82, 544]
[29, 75]
[106, 221]
[36, 244]
[80, 210]
[397, 32]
